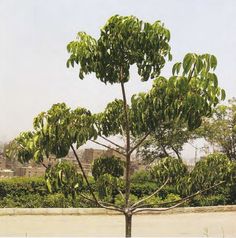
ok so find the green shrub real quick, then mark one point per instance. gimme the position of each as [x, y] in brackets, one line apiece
[22, 186]
[153, 201]
[120, 201]
[56, 200]
[211, 200]
[141, 189]
[107, 165]
[27, 201]
[209, 171]
[147, 188]
[171, 199]
[141, 176]
[168, 167]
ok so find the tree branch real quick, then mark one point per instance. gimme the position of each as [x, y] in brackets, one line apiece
[44, 165]
[108, 140]
[87, 198]
[140, 142]
[176, 152]
[112, 205]
[180, 201]
[106, 146]
[146, 198]
[100, 203]
[84, 175]
[118, 190]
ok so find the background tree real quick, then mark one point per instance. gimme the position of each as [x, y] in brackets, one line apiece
[189, 94]
[211, 170]
[168, 140]
[106, 171]
[168, 168]
[220, 129]
[107, 165]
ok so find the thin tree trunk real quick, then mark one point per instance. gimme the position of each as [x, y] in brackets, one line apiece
[128, 224]
[128, 215]
[127, 132]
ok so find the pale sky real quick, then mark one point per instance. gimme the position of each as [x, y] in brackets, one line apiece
[34, 35]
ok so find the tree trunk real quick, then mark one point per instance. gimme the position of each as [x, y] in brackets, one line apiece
[128, 225]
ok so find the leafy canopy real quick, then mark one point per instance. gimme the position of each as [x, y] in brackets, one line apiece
[54, 132]
[123, 41]
[211, 170]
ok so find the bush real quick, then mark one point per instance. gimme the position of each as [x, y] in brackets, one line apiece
[209, 171]
[27, 201]
[168, 167]
[151, 202]
[120, 201]
[142, 189]
[170, 199]
[141, 176]
[145, 189]
[20, 186]
[211, 200]
[107, 165]
[56, 200]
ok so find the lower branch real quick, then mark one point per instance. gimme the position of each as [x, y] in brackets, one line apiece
[179, 202]
[106, 205]
[135, 205]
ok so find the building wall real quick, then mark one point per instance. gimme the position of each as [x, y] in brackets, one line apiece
[2, 162]
[29, 171]
[6, 173]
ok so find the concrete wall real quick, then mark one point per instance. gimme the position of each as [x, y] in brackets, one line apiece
[101, 211]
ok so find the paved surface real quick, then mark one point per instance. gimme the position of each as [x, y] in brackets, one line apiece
[217, 224]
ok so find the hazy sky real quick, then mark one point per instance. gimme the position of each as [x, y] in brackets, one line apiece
[34, 35]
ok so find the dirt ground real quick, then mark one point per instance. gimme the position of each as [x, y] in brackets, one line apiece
[217, 224]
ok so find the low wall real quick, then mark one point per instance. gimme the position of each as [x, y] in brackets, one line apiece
[101, 211]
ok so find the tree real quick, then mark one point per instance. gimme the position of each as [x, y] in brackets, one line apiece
[186, 96]
[168, 140]
[210, 170]
[107, 165]
[189, 94]
[168, 168]
[220, 129]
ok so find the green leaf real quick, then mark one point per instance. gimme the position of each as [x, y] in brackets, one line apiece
[223, 94]
[213, 61]
[49, 186]
[187, 62]
[176, 68]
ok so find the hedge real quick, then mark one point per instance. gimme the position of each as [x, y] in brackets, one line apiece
[32, 193]
[20, 186]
